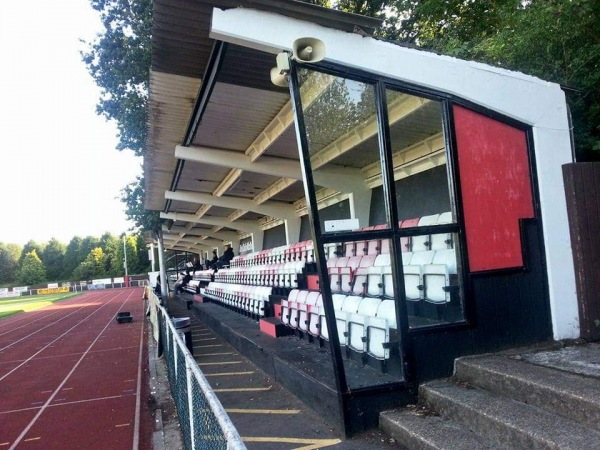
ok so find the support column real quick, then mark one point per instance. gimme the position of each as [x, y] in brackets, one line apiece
[152, 259]
[360, 206]
[164, 282]
[292, 230]
[235, 245]
[257, 240]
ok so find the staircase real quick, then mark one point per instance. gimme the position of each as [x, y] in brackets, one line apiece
[503, 402]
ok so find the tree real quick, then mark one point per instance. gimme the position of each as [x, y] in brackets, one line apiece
[113, 249]
[88, 244]
[53, 258]
[32, 270]
[555, 40]
[72, 257]
[28, 248]
[93, 266]
[133, 196]
[143, 264]
[119, 62]
[10, 254]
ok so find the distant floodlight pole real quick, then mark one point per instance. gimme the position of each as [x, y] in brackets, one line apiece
[125, 254]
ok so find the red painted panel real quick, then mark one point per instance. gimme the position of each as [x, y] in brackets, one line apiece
[496, 189]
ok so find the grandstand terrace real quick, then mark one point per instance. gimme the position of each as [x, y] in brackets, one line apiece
[390, 209]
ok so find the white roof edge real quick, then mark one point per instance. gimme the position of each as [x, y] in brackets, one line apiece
[517, 95]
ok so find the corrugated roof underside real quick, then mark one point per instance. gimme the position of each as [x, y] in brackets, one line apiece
[171, 102]
[236, 115]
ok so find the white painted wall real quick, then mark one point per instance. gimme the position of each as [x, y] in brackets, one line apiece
[524, 98]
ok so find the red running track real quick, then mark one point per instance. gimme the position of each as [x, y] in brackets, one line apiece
[72, 377]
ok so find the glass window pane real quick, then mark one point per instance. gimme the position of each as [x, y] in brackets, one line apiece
[342, 133]
[431, 281]
[419, 155]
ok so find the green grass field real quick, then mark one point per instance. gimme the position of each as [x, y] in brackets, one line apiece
[16, 305]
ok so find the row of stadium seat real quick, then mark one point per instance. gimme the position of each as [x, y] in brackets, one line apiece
[250, 300]
[428, 275]
[300, 251]
[365, 325]
[438, 241]
[303, 251]
[284, 275]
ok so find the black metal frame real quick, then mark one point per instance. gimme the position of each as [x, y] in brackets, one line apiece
[394, 233]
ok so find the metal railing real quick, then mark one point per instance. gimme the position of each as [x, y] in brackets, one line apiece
[204, 423]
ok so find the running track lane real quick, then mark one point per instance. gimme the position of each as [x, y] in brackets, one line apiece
[78, 383]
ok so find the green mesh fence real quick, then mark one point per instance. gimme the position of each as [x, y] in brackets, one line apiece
[204, 423]
[207, 433]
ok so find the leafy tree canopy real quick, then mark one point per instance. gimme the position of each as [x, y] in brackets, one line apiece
[30, 246]
[555, 40]
[9, 261]
[53, 257]
[133, 196]
[32, 269]
[94, 266]
[119, 62]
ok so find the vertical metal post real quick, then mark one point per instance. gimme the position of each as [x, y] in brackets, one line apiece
[188, 375]
[175, 347]
[125, 254]
[164, 282]
[311, 202]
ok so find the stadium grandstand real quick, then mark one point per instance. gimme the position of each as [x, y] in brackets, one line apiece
[389, 208]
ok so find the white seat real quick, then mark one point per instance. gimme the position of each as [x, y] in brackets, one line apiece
[413, 274]
[294, 308]
[374, 281]
[349, 307]
[378, 330]
[357, 324]
[338, 301]
[436, 276]
[314, 312]
[285, 306]
[311, 300]
[422, 242]
[441, 241]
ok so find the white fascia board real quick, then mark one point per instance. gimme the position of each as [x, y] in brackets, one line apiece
[527, 99]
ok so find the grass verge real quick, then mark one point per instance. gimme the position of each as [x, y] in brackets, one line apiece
[16, 305]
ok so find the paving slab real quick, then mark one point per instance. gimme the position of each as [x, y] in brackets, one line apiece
[580, 359]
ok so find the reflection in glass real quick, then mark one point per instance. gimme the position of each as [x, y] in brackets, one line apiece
[342, 134]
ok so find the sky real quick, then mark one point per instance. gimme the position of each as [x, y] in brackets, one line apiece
[60, 172]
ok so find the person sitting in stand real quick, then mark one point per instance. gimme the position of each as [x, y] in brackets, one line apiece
[224, 258]
[214, 259]
[184, 282]
[197, 265]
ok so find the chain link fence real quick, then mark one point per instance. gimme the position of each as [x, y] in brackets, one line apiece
[204, 423]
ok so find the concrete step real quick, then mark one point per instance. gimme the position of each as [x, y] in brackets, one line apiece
[508, 423]
[416, 429]
[573, 396]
